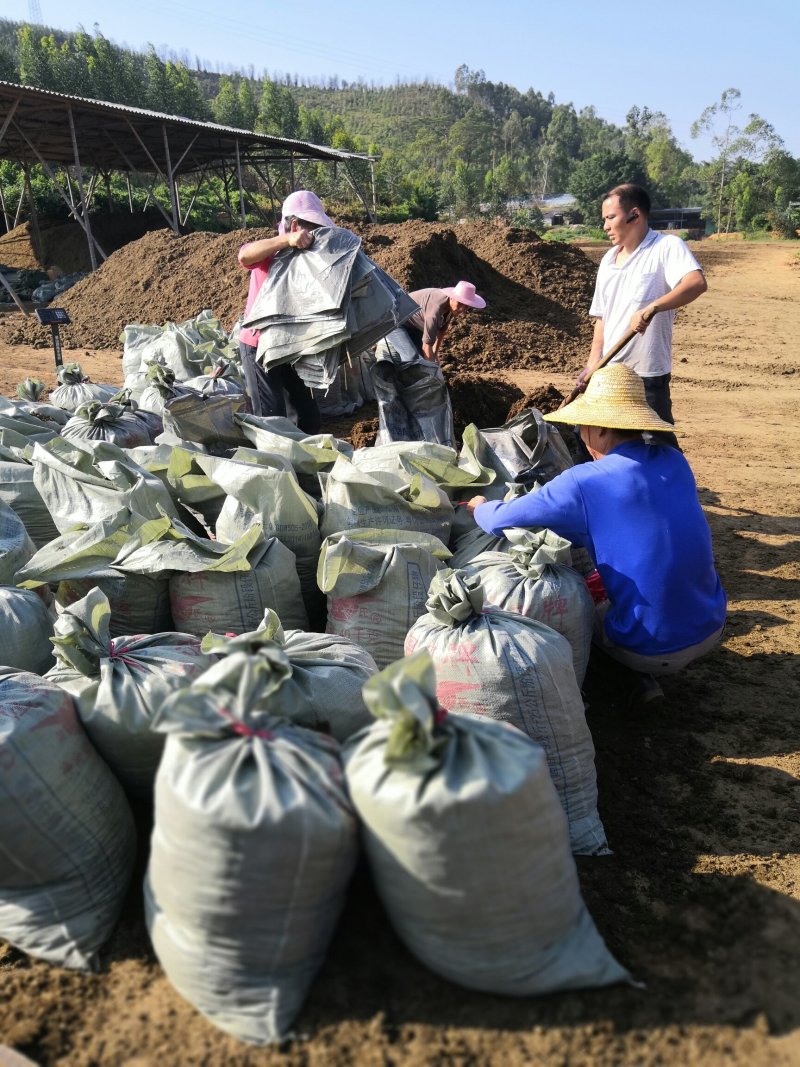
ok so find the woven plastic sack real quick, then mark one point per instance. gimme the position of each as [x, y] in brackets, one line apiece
[376, 582]
[534, 578]
[453, 471]
[159, 386]
[224, 600]
[207, 419]
[253, 847]
[84, 482]
[511, 669]
[18, 491]
[355, 499]
[322, 690]
[25, 629]
[262, 488]
[68, 836]
[524, 450]
[75, 389]
[309, 456]
[16, 547]
[468, 845]
[135, 676]
[107, 422]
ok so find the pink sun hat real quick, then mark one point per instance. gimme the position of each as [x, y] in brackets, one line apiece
[304, 205]
[465, 293]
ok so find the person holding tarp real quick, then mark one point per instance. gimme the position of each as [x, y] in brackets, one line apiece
[413, 401]
[301, 213]
[636, 511]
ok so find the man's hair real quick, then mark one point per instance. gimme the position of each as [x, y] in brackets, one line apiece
[630, 196]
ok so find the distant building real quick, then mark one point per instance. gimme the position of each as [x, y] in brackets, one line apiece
[678, 218]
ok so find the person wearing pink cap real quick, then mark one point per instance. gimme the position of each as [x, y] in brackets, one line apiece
[301, 213]
[428, 327]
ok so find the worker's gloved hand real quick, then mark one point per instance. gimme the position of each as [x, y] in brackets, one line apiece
[300, 238]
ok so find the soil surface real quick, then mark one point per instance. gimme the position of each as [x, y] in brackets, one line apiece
[700, 799]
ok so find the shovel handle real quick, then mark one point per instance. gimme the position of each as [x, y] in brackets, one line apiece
[615, 351]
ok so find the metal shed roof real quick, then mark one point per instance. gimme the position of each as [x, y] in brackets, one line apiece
[38, 124]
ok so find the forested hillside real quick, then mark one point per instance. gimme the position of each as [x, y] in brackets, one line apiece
[473, 147]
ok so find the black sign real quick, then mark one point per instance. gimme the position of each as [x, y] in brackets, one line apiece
[53, 317]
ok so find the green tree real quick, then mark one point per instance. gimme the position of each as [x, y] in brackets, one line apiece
[718, 119]
[559, 149]
[226, 106]
[185, 95]
[35, 62]
[278, 112]
[158, 91]
[593, 177]
[248, 104]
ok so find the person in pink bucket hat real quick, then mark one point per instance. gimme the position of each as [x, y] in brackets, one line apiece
[438, 308]
[301, 213]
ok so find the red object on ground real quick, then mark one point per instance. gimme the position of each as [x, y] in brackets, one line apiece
[596, 587]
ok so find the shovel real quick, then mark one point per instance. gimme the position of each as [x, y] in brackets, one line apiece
[615, 351]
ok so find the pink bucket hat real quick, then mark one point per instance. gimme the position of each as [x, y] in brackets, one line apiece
[304, 205]
[465, 293]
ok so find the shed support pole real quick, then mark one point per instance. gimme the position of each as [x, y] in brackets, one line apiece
[241, 187]
[35, 233]
[87, 226]
[173, 192]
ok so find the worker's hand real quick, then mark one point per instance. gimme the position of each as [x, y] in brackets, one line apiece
[473, 502]
[300, 238]
[641, 319]
[582, 379]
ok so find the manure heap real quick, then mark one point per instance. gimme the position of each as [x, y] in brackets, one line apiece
[538, 292]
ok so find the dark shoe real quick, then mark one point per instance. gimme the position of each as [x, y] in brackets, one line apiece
[645, 692]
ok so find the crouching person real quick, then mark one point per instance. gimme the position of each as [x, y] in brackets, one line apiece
[636, 510]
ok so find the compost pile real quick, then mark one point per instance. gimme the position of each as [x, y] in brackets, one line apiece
[538, 292]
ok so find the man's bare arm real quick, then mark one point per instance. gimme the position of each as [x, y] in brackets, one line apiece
[257, 251]
[690, 286]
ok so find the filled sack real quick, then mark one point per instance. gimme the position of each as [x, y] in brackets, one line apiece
[68, 836]
[468, 844]
[511, 669]
[376, 582]
[253, 846]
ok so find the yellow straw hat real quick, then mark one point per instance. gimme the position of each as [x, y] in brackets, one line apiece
[614, 398]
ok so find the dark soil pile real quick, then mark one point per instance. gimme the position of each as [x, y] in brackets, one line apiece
[538, 292]
[64, 245]
[546, 398]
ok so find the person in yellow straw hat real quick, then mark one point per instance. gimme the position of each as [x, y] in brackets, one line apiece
[636, 510]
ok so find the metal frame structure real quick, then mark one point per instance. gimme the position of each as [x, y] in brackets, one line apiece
[79, 135]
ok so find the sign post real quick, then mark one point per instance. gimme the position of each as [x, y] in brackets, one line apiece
[54, 317]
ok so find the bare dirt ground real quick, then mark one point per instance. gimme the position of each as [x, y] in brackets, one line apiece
[701, 800]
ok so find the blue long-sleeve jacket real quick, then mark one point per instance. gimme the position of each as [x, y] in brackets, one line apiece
[636, 510]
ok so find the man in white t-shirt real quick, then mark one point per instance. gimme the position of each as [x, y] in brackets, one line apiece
[642, 280]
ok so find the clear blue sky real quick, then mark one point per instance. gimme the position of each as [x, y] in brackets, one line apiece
[676, 58]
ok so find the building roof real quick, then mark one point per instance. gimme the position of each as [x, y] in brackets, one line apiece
[36, 126]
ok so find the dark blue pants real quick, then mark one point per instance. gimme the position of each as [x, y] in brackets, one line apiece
[266, 391]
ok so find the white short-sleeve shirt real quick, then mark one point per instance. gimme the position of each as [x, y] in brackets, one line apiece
[654, 269]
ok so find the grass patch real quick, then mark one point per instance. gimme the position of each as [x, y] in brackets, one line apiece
[574, 233]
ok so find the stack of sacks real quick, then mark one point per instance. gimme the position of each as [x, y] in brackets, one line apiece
[322, 304]
[68, 836]
[511, 669]
[534, 578]
[376, 582]
[25, 622]
[253, 846]
[187, 349]
[17, 418]
[125, 682]
[468, 845]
